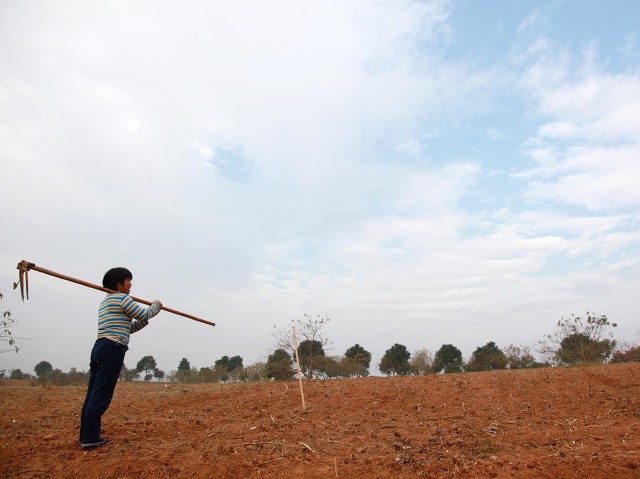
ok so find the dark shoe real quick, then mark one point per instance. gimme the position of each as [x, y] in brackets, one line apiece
[91, 445]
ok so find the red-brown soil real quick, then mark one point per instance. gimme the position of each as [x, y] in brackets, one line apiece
[545, 423]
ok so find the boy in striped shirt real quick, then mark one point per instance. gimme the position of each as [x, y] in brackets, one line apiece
[118, 317]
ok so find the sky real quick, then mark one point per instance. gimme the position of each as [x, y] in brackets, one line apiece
[419, 172]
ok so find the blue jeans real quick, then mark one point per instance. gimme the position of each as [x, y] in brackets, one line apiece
[107, 358]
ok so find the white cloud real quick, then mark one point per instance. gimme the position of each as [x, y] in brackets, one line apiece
[534, 22]
[495, 134]
[595, 178]
[589, 150]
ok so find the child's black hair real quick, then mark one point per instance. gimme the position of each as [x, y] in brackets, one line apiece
[116, 276]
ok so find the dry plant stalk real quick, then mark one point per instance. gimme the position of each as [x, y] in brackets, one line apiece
[295, 344]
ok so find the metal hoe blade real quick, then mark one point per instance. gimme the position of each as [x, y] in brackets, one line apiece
[23, 279]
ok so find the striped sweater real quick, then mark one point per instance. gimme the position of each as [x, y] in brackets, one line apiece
[119, 316]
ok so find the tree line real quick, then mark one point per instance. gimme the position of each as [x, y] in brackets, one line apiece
[577, 339]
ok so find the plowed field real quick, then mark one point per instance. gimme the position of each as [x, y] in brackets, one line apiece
[544, 423]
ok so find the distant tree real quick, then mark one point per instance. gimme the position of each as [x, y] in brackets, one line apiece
[227, 367]
[631, 354]
[421, 362]
[184, 372]
[355, 362]
[579, 339]
[448, 359]
[229, 364]
[310, 348]
[123, 372]
[353, 369]
[147, 365]
[223, 362]
[328, 367]
[311, 354]
[205, 375]
[43, 368]
[487, 358]
[395, 360]
[128, 374]
[56, 377]
[192, 376]
[18, 374]
[184, 365]
[255, 372]
[348, 368]
[76, 377]
[48, 375]
[308, 329]
[520, 357]
[235, 362]
[220, 373]
[577, 348]
[358, 354]
[158, 374]
[279, 365]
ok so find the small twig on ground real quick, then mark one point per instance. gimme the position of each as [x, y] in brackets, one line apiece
[269, 462]
[380, 451]
[307, 446]
[455, 416]
[386, 426]
[328, 439]
[257, 444]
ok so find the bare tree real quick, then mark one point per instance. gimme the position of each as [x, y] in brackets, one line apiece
[421, 362]
[254, 372]
[579, 339]
[520, 357]
[308, 330]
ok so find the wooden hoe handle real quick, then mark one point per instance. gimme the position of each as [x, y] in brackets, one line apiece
[25, 266]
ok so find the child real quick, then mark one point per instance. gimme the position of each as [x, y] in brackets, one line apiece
[118, 317]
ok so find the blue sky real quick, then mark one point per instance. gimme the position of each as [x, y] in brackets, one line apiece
[422, 173]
